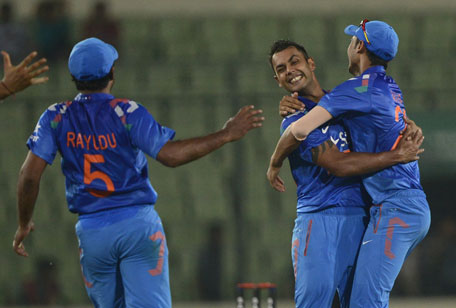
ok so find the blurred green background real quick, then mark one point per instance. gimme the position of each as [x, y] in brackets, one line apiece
[224, 223]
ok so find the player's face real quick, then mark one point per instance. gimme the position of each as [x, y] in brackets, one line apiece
[292, 71]
[353, 57]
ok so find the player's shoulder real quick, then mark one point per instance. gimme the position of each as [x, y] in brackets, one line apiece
[125, 105]
[290, 119]
[358, 84]
[60, 107]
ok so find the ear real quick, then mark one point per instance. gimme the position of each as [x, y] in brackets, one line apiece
[361, 47]
[311, 63]
[277, 79]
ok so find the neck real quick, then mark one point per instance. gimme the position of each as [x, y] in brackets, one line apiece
[314, 92]
[364, 64]
[106, 90]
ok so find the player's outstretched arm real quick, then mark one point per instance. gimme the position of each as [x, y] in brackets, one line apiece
[179, 152]
[17, 78]
[27, 192]
[327, 155]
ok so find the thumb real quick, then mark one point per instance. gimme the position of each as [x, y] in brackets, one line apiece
[295, 95]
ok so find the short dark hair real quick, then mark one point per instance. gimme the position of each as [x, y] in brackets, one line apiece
[374, 59]
[93, 85]
[280, 45]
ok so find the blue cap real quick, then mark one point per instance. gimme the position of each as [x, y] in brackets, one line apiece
[383, 40]
[91, 59]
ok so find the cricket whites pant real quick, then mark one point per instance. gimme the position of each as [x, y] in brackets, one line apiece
[394, 229]
[124, 258]
[325, 245]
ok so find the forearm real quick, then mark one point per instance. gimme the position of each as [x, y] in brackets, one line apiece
[286, 144]
[27, 193]
[353, 163]
[305, 125]
[176, 153]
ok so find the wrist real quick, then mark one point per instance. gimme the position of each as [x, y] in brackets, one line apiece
[225, 135]
[275, 163]
[396, 156]
[7, 88]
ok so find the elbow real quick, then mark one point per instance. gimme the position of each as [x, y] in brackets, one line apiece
[338, 170]
[27, 178]
[171, 162]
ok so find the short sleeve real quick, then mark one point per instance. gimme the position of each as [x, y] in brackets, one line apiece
[315, 138]
[146, 133]
[347, 97]
[43, 142]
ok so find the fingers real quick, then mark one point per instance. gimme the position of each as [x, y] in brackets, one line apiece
[6, 59]
[39, 80]
[36, 65]
[279, 184]
[28, 59]
[251, 114]
[285, 110]
[292, 102]
[19, 248]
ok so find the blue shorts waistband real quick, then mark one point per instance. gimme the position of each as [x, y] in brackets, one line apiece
[358, 210]
[110, 216]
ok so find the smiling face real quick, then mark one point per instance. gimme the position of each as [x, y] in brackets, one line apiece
[293, 71]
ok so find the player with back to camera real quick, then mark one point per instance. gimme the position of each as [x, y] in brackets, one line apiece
[19, 77]
[371, 107]
[331, 210]
[102, 141]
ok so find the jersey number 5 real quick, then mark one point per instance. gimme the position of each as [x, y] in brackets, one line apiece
[89, 177]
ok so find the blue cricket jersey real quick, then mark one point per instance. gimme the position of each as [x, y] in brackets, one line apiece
[372, 109]
[102, 141]
[316, 188]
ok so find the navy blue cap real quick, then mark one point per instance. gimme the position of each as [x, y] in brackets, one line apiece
[91, 59]
[383, 40]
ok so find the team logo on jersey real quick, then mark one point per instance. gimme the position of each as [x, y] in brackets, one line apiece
[364, 84]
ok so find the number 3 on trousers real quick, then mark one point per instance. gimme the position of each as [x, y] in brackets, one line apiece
[89, 177]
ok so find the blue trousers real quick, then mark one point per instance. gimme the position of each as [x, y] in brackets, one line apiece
[394, 229]
[124, 258]
[325, 246]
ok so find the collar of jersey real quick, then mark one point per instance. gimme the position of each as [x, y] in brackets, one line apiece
[374, 69]
[308, 103]
[93, 97]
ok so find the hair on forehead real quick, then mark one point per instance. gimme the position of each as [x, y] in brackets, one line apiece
[281, 45]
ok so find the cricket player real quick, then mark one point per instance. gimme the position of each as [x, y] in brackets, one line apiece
[331, 211]
[19, 77]
[103, 141]
[371, 107]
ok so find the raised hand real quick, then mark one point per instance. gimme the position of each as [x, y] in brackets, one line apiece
[17, 78]
[246, 119]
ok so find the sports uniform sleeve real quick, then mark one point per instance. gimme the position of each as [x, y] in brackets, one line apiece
[315, 138]
[146, 133]
[43, 142]
[351, 96]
